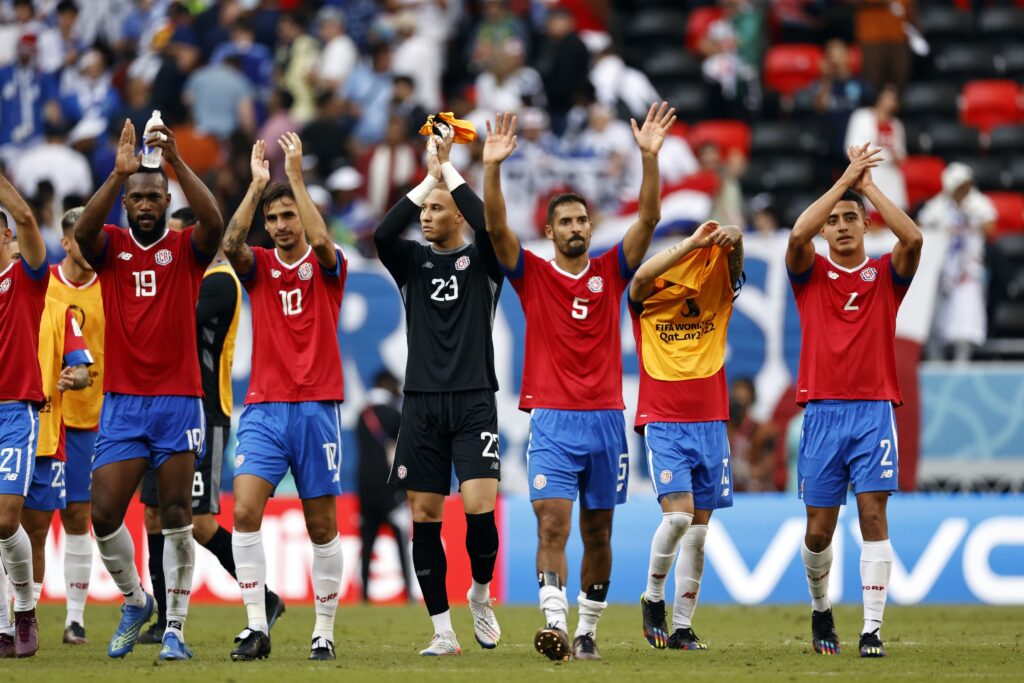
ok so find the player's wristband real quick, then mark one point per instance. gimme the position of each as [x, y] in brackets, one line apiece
[451, 177]
[418, 194]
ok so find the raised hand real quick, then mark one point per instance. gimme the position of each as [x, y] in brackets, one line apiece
[258, 164]
[444, 143]
[127, 161]
[863, 158]
[701, 237]
[163, 137]
[501, 140]
[433, 163]
[726, 235]
[291, 144]
[651, 135]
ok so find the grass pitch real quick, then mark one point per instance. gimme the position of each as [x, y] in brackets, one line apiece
[381, 643]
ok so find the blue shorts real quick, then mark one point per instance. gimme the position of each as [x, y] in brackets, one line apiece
[80, 447]
[47, 489]
[843, 442]
[578, 451]
[303, 436]
[150, 427]
[19, 439]
[690, 457]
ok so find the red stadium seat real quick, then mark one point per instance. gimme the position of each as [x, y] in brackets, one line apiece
[697, 25]
[725, 134]
[987, 104]
[1009, 210]
[923, 175]
[790, 68]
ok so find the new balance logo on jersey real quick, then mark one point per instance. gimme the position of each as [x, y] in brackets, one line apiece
[163, 257]
[428, 264]
[833, 275]
[275, 273]
[124, 256]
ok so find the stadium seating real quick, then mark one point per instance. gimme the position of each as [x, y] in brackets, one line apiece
[725, 134]
[780, 174]
[923, 175]
[965, 61]
[943, 25]
[1015, 174]
[663, 26]
[1006, 142]
[988, 172]
[789, 68]
[697, 24]
[690, 100]
[780, 137]
[1001, 23]
[669, 66]
[1007, 320]
[1009, 210]
[929, 101]
[947, 138]
[1012, 56]
[987, 104]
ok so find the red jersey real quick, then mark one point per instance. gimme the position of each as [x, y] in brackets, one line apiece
[149, 302]
[22, 299]
[848, 330]
[573, 341]
[680, 332]
[295, 309]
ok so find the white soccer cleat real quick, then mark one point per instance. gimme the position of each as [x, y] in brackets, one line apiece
[485, 623]
[442, 645]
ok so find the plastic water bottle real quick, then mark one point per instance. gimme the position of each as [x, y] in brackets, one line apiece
[152, 157]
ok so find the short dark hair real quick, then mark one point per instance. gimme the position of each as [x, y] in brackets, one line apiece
[274, 192]
[565, 198]
[67, 6]
[146, 170]
[402, 78]
[851, 196]
[286, 98]
[186, 215]
[3, 218]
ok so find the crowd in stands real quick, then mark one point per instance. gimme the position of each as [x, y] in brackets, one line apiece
[769, 95]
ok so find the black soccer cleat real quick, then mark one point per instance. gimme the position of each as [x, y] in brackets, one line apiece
[655, 628]
[823, 633]
[321, 649]
[585, 647]
[871, 645]
[553, 643]
[685, 639]
[154, 635]
[251, 645]
[275, 607]
[74, 634]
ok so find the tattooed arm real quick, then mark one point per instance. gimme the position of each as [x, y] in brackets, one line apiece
[237, 251]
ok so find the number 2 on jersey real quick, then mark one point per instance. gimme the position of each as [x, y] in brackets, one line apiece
[145, 282]
[491, 446]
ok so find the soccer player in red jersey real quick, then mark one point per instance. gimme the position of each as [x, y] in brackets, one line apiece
[572, 377]
[292, 415]
[152, 412]
[23, 285]
[847, 381]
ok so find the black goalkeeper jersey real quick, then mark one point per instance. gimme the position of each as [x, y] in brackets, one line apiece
[450, 300]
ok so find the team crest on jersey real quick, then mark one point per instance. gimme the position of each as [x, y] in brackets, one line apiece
[462, 263]
[665, 476]
[163, 257]
[306, 271]
[124, 256]
[833, 275]
[275, 273]
[402, 472]
[5, 285]
[540, 481]
[868, 274]
[239, 459]
[595, 284]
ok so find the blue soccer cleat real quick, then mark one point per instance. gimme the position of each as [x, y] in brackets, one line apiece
[174, 649]
[127, 633]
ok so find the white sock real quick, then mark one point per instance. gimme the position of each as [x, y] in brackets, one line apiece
[179, 562]
[118, 555]
[37, 591]
[327, 565]
[875, 569]
[16, 553]
[663, 552]
[479, 592]
[251, 571]
[555, 607]
[590, 613]
[77, 570]
[442, 622]
[689, 570]
[818, 566]
[6, 625]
